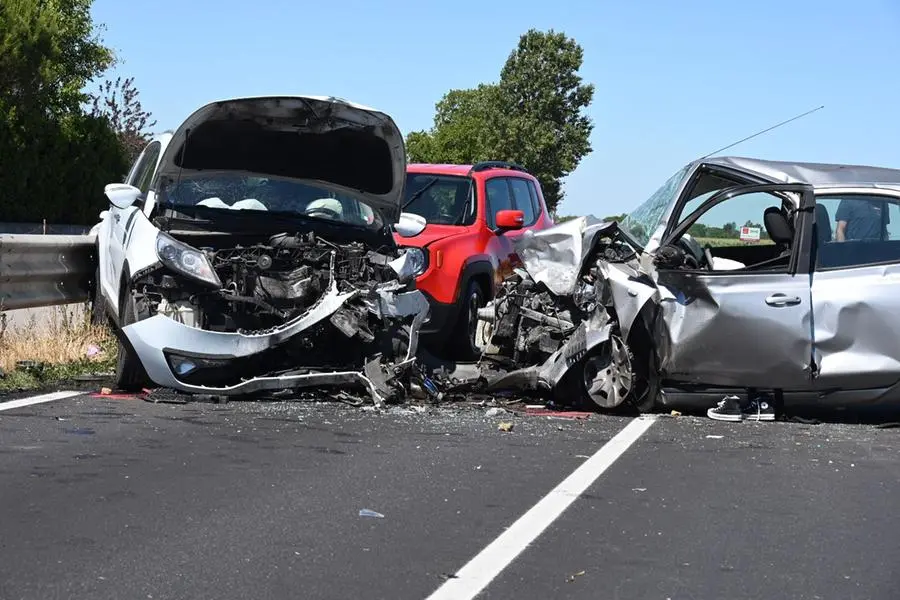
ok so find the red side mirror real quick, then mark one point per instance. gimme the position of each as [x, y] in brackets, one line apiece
[510, 219]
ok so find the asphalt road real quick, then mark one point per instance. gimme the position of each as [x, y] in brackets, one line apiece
[123, 498]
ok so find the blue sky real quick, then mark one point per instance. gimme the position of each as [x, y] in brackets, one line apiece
[674, 80]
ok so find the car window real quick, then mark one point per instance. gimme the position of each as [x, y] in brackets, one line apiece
[440, 199]
[522, 197]
[498, 198]
[704, 186]
[856, 230]
[735, 233]
[535, 198]
[738, 221]
[232, 191]
[143, 174]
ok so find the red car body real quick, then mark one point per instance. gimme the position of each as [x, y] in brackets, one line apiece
[468, 252]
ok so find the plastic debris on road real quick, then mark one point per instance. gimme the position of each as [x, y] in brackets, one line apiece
[505, 426]
[370, 513]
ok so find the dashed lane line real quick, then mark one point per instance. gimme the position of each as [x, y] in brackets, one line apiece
[472, 578]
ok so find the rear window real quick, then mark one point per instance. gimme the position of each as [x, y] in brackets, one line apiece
[440, 199]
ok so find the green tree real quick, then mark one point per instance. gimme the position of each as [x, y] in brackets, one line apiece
[54, 158]
[118, 102]
[532, 116]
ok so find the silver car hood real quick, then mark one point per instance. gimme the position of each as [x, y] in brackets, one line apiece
[349, 147]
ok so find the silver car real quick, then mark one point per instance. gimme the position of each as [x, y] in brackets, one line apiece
[737, 276]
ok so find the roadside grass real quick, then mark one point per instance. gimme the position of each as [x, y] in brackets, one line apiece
[56, 348]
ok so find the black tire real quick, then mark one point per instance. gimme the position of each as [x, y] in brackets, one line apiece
[98, 302]
[464, 333]
[130, 373]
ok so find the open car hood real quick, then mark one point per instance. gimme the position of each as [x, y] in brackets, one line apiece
[352, 148]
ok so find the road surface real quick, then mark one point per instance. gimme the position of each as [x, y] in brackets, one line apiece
[123, 498]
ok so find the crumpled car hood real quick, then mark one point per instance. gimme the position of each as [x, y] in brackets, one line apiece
[352, 148]
[555, 256]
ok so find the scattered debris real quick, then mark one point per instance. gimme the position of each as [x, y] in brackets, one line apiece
[675, 413]
[105, 391]
[564, 414]
[93, 350]
[495, 412]
[638, 489]
[505, 426]
[714, 437]
[572, 577]
[370, 513]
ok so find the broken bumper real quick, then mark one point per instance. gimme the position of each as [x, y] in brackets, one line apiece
[172, 353]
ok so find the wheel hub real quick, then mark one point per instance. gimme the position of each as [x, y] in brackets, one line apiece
[608, 376]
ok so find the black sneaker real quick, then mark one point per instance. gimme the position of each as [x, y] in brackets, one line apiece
[728, 409]
[759, 409]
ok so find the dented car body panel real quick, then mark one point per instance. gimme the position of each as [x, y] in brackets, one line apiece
[789, 302]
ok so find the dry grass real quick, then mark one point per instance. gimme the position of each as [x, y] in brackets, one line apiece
[62, 338]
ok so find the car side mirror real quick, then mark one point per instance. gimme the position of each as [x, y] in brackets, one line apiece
[410, 224]
[122, 195]
[509, 220]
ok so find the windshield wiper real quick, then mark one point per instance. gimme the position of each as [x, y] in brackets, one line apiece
[419, 192]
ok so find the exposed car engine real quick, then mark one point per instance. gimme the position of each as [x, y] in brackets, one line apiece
[281, 280]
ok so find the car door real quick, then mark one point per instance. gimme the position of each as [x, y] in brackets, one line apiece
[856, 290]
[121, 219]
[499, 197]
[744, 324]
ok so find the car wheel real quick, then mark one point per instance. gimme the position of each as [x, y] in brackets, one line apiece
[130, 373]
[98, 302]
[607, 377]
[471, 301]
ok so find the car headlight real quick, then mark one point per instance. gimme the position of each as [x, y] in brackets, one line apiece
[411, 263]
[417, 260]
[185, 260]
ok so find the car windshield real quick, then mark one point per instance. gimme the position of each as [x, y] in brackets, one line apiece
[440, 199]
[240, 191]
[643, 221]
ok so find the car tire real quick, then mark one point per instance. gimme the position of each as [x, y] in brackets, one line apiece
[98, 302]
[130, 373]
[464, 333]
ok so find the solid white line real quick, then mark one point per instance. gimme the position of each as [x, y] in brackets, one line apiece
[487, 564]
[37, 400]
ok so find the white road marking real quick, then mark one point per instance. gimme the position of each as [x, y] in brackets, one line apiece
[37, 400]
[491, 561]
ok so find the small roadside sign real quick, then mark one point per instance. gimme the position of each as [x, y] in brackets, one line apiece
[750, 234]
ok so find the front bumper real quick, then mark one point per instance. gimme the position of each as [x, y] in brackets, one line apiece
[156, 337]
[442, 318]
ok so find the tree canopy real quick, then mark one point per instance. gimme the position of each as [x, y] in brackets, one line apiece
[532, 116]
[56, 153]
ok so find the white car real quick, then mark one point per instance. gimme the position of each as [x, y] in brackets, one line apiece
[252, 250]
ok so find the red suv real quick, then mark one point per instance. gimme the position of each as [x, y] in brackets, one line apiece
[473, 214]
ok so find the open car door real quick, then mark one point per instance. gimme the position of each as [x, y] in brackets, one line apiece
[731, 323]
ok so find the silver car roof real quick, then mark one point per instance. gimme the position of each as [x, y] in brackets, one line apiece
[819, 175]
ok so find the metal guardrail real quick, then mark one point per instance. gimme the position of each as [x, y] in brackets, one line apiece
[45, 270]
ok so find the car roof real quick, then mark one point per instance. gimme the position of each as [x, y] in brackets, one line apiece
[462, 170]
[819, 175]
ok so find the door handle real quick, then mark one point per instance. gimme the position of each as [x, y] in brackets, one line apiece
[782, 300]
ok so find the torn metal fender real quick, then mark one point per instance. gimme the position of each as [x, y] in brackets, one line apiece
[555, 256]
[629, 294]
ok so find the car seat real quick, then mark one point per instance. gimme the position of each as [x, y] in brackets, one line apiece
[823, 225]
[780, 231]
